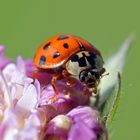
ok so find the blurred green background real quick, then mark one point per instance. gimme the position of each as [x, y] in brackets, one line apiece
[25, 24]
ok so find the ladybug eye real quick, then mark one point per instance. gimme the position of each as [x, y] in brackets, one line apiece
[97, 75]
[86, 74]
[82, 78]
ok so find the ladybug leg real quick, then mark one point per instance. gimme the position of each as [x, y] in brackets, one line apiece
[70, 81]
[54, 79]
[95, 91]
[86, 91]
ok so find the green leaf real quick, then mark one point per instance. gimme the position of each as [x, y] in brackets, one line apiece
[115, 103]
[109, 109]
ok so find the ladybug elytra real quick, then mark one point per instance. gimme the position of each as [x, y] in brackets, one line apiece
[70, 57]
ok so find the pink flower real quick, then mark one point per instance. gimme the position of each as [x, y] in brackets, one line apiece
[25, 106]
[18, 101]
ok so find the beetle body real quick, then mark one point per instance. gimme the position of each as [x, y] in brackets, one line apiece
[71, 57]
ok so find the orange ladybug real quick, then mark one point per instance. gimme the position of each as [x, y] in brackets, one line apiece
[72, 58]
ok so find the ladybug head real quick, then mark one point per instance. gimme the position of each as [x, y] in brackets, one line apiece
[91, 79]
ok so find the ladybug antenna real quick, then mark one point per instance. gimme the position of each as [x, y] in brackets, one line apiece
[104, 75]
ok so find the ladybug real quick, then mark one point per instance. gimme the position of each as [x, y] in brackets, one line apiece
[72, 58]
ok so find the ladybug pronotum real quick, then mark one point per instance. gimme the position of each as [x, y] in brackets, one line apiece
[72, 58]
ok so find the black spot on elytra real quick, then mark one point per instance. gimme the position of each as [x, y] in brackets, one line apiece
[62, 37]
[56, 54]
[66, 45]
[47, 46]
[42, 60]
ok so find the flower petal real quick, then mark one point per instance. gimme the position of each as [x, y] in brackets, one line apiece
[88, 115]
[86, 123]
[80, 131]
[20, 64]
[67, 99]
[59, 125]
[27, 102]
[3, 61]
[9, 125]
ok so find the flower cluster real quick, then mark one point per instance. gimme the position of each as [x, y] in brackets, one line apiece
[27, 114]
[25, 106]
